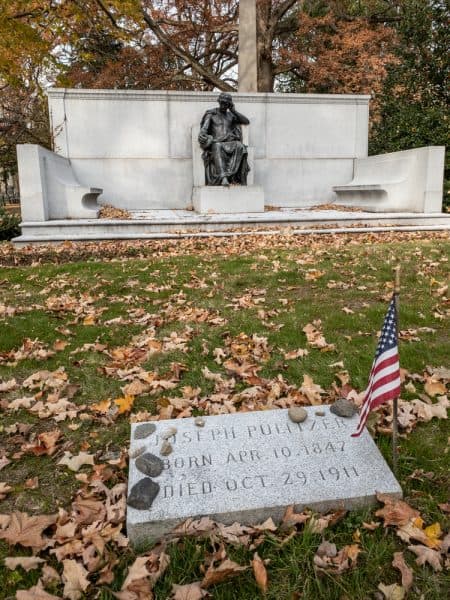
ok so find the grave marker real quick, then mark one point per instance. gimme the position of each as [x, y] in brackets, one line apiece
[247, 467]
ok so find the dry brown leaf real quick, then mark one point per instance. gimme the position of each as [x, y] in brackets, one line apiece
[311, 390]
[190, 591]
[395, 511]
[74, 463]
[46, 443]
[434, 388]
[407, 573]
[329, 560]
[49, 575]
[392, 592]
[4, 462]
[293, 354]
[36, 592]
[425, 412]
[226, 569]
[268, 525]
[75, 579]
[26, 562]
[4, 490]
[292, 518]
[260, 572]
[411, 531]
[371, 526]
[193, 527]
[427, 555]
[27, 530]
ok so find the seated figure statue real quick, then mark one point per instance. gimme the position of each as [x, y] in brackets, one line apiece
[220, 137]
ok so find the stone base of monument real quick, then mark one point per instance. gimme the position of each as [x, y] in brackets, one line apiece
[212, 199]
[247, 467]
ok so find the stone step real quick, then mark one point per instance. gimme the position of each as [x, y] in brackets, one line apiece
[175, 224]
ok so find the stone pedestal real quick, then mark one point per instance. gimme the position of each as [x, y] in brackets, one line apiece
[212, 199]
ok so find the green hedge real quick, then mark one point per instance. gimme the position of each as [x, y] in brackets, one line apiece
[9, 225]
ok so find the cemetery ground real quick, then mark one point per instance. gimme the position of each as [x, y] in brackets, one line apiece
[94, 336]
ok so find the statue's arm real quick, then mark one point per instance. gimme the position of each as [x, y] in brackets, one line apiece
[241, 119]
[203, 137]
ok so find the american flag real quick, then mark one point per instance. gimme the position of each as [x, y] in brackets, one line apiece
[384, 379]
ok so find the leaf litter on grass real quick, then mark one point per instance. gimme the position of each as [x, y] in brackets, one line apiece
[85, 541]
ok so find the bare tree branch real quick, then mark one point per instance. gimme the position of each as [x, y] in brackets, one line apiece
[206, 74]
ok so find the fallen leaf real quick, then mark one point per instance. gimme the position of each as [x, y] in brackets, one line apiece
[36, 592]
[125, 404]
[27, 530]
[4, 462]
[74, 463]
[407, 573]
[190, 591]
[74, 579]
[371, 526]
[433, 388]
[293, 354]
[26, 562]
[427, 555]
[395, 511]
[226, 569]
[433, 533]
[311, 390]
[260, 572]
[4, 490]
[392, 592]
[291, 518]
[102, 406]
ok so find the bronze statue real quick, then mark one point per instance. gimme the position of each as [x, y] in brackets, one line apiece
[220, 137]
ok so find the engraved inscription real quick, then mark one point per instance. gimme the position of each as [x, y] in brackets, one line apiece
[260, 432]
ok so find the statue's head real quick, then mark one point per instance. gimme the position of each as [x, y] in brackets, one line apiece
[224, 100]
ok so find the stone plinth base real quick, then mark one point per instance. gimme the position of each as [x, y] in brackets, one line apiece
[213, 199]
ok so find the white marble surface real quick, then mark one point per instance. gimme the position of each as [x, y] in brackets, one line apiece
[137, 145]
[247, 467]
[410, 180]
[233, 199]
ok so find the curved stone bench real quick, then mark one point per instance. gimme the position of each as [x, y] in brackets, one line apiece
[49, 188]
[407, 181]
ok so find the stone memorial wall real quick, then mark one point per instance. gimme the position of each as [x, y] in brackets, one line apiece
[137, 145]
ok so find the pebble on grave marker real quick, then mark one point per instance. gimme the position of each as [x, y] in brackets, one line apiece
[297, 414]
[149, 464]
[169, 433]
[343, 408]
[166, 448]
[144, 430]
[143, 493]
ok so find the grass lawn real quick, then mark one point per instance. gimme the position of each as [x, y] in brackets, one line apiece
[90, 321]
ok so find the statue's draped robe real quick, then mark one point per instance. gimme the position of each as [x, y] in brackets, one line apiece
[233, 153]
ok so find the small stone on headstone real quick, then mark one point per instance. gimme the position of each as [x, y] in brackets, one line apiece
[169, 433]
[297, 414]
[199, 421]
[144, 430]
[343, 408]
[149, 464]
[137, 452]
[320, 413]
[143, 493]
[166, 448]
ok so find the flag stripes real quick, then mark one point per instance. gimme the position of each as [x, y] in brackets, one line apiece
[384, 378]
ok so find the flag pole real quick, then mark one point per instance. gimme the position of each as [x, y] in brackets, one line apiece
[395, 401]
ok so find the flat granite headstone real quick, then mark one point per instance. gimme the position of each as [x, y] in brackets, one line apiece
[247, 467]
